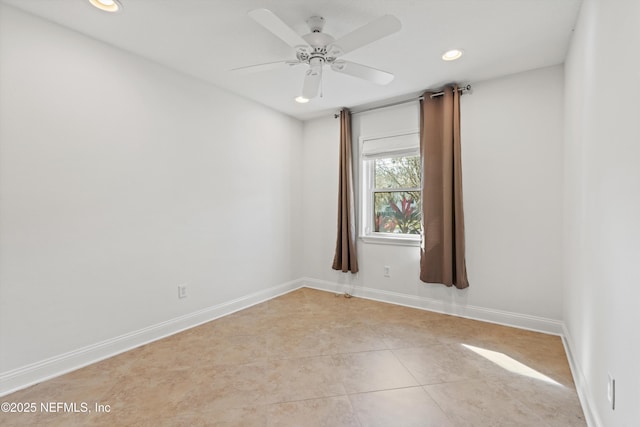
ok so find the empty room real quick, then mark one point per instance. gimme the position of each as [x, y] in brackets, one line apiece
[320, 213]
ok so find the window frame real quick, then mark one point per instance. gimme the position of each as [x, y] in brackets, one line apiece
[367, 192]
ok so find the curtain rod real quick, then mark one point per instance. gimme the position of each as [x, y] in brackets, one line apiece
[462, 90]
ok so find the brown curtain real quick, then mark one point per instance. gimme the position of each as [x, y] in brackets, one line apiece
[345, 258]
[442, 258]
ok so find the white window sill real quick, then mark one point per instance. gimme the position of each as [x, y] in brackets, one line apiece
[391, 240]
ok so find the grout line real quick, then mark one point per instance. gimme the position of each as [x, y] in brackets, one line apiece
[405, 367]
[384, 389]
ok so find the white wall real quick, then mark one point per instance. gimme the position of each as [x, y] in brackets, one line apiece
[119, 180]
[512, 170]
[512, 133]
[602, 207]
[320, 196]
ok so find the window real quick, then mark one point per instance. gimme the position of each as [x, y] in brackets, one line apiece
[391, 184]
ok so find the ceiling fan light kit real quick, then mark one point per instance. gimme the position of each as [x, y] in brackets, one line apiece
[317, 49]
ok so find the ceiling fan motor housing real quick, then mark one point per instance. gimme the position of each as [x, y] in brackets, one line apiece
[318, 41]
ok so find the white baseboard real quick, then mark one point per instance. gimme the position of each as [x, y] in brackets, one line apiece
[516, 320]
[584, 394]
[34, 373]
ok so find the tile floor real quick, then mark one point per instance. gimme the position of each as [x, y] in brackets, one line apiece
[309, 358]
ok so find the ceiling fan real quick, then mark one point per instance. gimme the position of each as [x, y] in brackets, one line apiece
[317, 49]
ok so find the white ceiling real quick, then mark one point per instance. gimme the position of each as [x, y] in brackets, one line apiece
[207, 38]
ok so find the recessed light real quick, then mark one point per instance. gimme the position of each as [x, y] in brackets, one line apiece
[107, 5]
[451, 55]
[301, 100]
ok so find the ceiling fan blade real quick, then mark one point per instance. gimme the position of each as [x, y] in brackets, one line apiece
[362, 71]
[271, 22]
[267, 66]
[312, 80]
[366, 34]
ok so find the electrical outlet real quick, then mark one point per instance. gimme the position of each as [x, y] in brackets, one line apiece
[611, 391]
[387, 271]
[182, 291]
